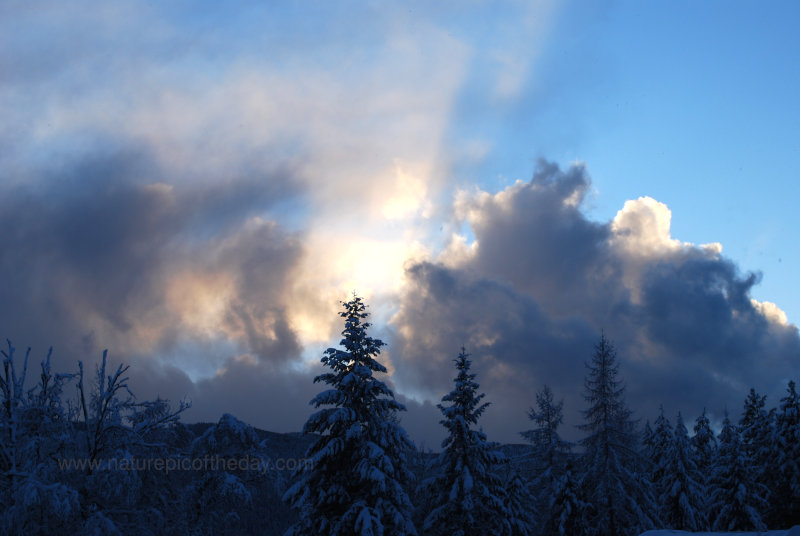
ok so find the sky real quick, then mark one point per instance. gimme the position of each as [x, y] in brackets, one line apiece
[196, 186]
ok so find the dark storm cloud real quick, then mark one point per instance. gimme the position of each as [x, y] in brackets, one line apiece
[542, 284]
[539, 241]
[705, 333]
[491, 319]
[89, 253]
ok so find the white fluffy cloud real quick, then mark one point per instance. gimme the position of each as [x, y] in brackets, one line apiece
[640, 233]
[642, 229]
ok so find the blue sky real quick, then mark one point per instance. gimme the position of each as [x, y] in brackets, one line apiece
[196, 186]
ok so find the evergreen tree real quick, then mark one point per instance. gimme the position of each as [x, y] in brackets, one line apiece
[787, 443]
[519, 505]
[622, 496]
[551, 451]
[735, 495]
[224, 500]
[757, 427]
[467, 497]
[355, 483]
[682, 498]
[704, 451]
[704, 443]
[660, 445]
[751, 425]
[567, 509]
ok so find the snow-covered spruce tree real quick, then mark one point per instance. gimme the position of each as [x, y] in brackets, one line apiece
[660, 444]
[736, 497]
[787, 443]
[682, 498]
[520, 509]
[467, 496]
[755, 424]
[704, 451]
[621, 495]
[757, 427]
[567, 509]
[704, 443]
[423, 464]
[355, 483]
[551, 452]
[222, 500]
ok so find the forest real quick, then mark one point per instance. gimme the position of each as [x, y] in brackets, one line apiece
[80, 454]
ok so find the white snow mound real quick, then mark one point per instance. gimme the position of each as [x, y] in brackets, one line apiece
[794, 531]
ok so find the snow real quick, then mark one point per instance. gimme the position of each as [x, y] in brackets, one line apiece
[794, 531]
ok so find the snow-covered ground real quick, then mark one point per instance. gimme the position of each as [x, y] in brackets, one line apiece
[794, 531]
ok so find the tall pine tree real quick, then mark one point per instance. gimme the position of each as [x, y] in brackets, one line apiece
[622, 496]
[757, 427]
[355, 483]
[520, 509]
[704, 451]
[704, 443]
[660, 444]
[682, 498]
[736, 497]
[551, 452]
[567, 510]
[467, 497]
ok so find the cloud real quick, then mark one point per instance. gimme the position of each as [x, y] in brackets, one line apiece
[540, 283]
[96, 257]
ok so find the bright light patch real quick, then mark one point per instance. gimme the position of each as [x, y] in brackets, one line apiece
[642, 228]
[771, 312]
[374, 265]
[409, 191]
[312, 325]
[337, 264]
